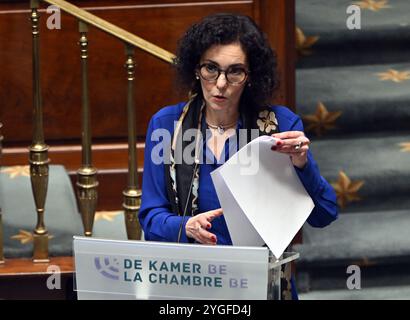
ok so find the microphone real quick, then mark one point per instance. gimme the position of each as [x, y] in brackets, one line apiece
[187, 200]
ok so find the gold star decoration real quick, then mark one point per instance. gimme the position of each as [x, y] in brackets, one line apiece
[304, 44]
[25, 236]
[322, 119]
[346, 190]
[106, 215]
[17, 171]
[373, 5]
[405, 146]
[394, 75]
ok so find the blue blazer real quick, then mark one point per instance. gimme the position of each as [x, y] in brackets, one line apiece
[161, 224]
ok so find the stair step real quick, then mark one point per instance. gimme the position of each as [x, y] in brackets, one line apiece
[370, 275]
[367, 103]
[377, 243]
[339, 55]
[384, 35]
[377, 293]
[369, 238]
[376, 159]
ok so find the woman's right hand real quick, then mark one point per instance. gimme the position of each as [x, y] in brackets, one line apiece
[196, 226]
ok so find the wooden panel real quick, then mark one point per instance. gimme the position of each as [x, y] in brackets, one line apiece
[105, 156]
[278, 18]
[23, 279]
[60, 69]
[159, 22]
[26, 267]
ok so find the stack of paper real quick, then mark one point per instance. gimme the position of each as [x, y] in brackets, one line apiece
[262, 198]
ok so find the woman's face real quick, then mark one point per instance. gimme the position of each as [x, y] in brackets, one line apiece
[220, 95]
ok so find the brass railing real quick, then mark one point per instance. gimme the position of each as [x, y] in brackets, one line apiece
[1, 217]
[87, 175]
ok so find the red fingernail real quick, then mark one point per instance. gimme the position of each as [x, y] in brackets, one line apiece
[208, 226]
[279, 143]
[213, 239]
[274, 148]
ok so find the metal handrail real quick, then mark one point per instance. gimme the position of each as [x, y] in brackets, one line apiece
[113, 30]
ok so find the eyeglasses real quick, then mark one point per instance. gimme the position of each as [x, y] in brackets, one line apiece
[235, 75]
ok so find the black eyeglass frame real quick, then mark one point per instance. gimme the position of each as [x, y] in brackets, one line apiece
[226, 71]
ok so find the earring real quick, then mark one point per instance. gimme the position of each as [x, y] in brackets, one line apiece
[197, 77]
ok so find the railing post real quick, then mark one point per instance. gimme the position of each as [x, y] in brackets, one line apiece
[1, 221]
[38, 149]
[132, 195]
[87, 175]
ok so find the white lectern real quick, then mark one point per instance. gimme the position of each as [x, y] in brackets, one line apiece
[115, 269]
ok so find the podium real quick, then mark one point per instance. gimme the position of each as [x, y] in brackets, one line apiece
[128, 270]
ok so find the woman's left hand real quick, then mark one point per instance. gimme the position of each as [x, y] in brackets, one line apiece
[295, 144]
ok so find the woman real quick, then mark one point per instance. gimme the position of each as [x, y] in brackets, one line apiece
[228, 66]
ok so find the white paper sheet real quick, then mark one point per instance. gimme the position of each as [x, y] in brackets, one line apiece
[261, 195]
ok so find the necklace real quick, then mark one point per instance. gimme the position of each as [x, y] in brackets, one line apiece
[221, 128]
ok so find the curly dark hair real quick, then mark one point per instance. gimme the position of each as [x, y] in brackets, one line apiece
[227, 28]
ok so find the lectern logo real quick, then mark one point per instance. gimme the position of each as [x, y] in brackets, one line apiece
[109, 268]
